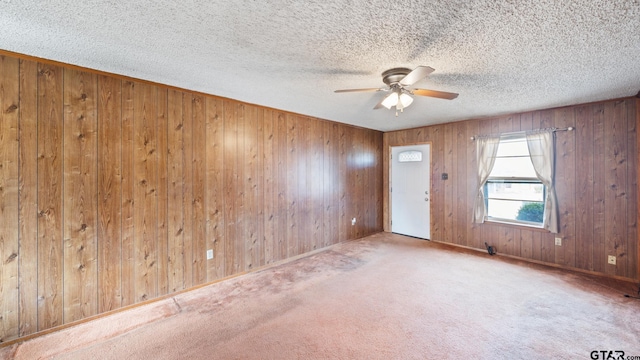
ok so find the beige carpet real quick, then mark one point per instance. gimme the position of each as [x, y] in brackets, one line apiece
[382, 297]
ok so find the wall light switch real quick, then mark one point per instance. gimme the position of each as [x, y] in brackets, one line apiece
[353, 221]
[209, 254]
[612, 260]
[558, 241]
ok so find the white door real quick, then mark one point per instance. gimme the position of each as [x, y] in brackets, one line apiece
[411, 190]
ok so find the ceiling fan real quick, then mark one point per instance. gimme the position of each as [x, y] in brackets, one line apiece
[398, 81]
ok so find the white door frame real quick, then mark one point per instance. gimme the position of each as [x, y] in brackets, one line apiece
[390, 177]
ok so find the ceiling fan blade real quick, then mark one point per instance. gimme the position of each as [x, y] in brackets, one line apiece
[358, 90]
[379, 105]
[416, 75]
[435, 93]
[382, 104]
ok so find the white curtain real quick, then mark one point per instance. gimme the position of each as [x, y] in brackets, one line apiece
[542, 151]
[486, 149]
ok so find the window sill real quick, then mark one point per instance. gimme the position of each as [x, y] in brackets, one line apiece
[496, 222]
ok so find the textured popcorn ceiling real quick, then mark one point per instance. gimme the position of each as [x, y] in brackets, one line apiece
[500, 56]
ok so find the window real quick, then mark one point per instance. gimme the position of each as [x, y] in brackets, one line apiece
[410, 156]
[513, 193]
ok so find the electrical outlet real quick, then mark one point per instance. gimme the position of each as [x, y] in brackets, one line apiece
[353, 221]
[558, 241]
[209, 254]
[612, 260]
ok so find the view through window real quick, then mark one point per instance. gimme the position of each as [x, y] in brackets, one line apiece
[513, 191]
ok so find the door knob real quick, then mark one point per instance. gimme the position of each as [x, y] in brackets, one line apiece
[426, 192]
[426, 199]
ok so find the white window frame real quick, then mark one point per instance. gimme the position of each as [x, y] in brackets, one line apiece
[512, 180]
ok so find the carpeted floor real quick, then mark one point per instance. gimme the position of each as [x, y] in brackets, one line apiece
[382, 297]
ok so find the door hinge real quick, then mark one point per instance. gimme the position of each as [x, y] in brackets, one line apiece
[390, 189]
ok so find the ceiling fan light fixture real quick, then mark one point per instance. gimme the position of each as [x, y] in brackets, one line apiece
[405, 100]
[391, 100]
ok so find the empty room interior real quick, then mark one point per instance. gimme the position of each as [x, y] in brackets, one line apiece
[332, 180]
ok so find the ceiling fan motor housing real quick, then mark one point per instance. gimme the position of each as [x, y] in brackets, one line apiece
[393, 76]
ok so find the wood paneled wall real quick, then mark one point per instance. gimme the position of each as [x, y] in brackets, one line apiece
[596, 184]
[112, 190]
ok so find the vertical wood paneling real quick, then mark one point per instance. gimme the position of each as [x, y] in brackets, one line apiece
[109, 193]
[386, 206]
[352, 152]
[177, 264]
[329, 184]
[163, 193]
[270, 192]
[389, 140]
[80, 200]
[145, 214]
[50, 225]
[304, 221]
[359, 175]
[615, 180]
[259, 189]
[350, 183]
[336, 184]
[632, 190]
[28, 197]
[450, 152]
[187, 179]
[598, 203]
[128, 183]
[230, 180]
[368, 157]
[113, 190]
[9, 197]
[435, 135]
[214, 189]
[250, 151]
[342, 185]
[199, 215]
[584, 186]
[281, 182]
[292, 187]
[315, 169]
[637, 173]
[378, 184]
[240, 199]
[368, 203]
